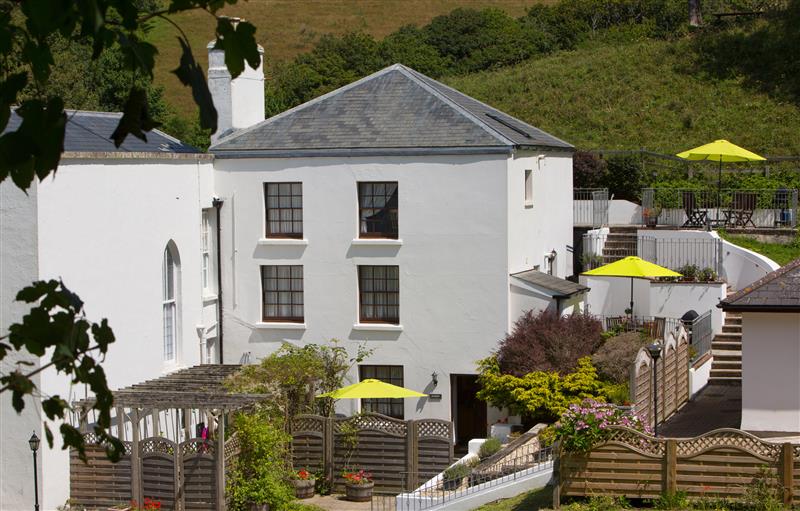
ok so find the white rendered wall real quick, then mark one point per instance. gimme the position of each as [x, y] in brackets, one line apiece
[674, 299]
[18, 268]
[741, 267]
[610, 296]
[546, 224]
[453, 262]
[103, 227]
[770, 371]
[624, 212]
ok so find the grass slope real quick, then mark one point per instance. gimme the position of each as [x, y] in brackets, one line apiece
[781, 254]
[651, 94]
[530, 501]
[288, 27]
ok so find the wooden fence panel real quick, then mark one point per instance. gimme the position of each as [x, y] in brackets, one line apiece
[99, 483]
[380, 449]
[642, 388]
[198, 475]
[434, 445]
[796, 476]
[159, 470]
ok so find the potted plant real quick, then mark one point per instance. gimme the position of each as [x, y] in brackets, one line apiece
[303, 482]
[358, 485]
[651, 216]
[454, 476]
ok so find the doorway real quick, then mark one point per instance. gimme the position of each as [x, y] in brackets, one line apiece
[468, 412]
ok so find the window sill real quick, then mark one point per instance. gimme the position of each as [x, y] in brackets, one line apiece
[528, 203]
[265, 325]
[378, 327]
[377, 242]
[283, 241]
[207, 298]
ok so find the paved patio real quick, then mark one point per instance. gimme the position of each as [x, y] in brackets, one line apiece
[336, 503]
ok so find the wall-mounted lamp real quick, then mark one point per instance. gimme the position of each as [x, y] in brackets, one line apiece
[435, 378]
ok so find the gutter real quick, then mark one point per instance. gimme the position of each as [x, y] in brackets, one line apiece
[217, 203]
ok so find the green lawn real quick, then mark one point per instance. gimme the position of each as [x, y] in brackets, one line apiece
[531, 501]
[781, 254]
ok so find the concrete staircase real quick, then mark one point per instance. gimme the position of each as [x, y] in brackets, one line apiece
[726, 369]
[621, 242]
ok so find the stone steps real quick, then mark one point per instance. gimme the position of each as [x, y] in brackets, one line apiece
[726, 348]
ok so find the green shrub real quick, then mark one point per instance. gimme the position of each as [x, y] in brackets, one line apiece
[489, 447]
[457, 471]
[690, 272]
[677, 500]
[764, 493]
[261, 471]
[586, 424]
[615, 357]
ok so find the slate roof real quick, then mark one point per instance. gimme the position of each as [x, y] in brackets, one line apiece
[560, 288]
[778, 291]
[395, 110]
[91, 131]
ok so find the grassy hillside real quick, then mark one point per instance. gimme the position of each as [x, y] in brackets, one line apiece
[288, 27]
[653, 94]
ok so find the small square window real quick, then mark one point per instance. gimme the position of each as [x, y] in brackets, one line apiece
[528, 187]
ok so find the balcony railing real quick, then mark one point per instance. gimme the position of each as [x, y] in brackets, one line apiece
[731, 208]
[590, 207]
[673, 253]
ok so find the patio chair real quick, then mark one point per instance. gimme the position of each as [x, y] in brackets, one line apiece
[743, 205]
[781, 203]
[694, 217]
[655, 329]
[615, 322]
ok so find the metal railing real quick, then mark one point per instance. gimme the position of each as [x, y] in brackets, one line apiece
[590, 207]
[673, 253]
[702, 334]
[438, 491]
[732, 208]
[655, 327]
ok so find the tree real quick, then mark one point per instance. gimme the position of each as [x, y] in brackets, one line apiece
[32, 32]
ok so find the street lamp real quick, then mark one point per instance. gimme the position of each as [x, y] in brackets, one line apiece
[655, 353]
[34, 443]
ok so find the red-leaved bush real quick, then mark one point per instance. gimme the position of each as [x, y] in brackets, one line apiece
[548, 342]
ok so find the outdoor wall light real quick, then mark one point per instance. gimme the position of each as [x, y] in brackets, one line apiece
[34, 443]
[435, 378]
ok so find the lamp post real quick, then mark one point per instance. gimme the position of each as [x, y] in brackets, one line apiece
[34, 443]
[655, 353]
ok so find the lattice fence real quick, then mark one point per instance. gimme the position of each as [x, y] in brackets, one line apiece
[672, 378]
[720, 464]
[389, 448]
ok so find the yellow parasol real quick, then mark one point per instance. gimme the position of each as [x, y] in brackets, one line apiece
[371, 389]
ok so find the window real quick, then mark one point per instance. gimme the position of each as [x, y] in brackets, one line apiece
[282, 288]
[528, 187]
[284, 209]
[206, 250]
[379, 294]
[388, 374]
[377, 210]
[170, 295]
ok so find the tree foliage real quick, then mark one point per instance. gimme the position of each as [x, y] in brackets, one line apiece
[109, 36]
[293, 376]
[546, 341]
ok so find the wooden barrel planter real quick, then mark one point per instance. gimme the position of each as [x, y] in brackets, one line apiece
[359, 492]
[304, 488]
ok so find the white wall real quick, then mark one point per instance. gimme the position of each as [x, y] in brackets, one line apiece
[770, 375]
[546, 224]
[453, 261]
[674, 299]
[18, 268]
[623, 212]
[610, 296]
[103, 228]
[741, 267]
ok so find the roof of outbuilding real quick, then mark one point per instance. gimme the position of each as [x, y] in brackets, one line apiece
[396, 110]
[560, 288]
[778, 291]
[90, 132]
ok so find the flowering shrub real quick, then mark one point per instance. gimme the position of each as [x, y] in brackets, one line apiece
[303, 475]
[357, 478]
[148, 505]
[586, 424]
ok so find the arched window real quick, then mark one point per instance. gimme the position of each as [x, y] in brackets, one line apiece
[170, 300]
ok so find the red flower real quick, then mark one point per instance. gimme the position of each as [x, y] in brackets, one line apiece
[359, 477]
[303, 474]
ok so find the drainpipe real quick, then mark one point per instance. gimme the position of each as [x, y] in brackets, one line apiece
[217, 203]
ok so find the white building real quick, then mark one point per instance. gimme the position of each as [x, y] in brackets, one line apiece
[104, 223]
[770, 309]
[398, 212]
[394, 212]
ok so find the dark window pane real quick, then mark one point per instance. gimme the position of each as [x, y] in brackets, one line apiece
[283, 292]
[284, 209]
[378, 209]
[379, 294]
[388, 374]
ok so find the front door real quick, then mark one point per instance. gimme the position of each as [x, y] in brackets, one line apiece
[468, 412]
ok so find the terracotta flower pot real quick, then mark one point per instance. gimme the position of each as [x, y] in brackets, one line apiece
[359, 492]
[303, 488]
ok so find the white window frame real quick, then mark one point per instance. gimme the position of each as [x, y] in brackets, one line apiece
[170, 281]
[205, 230]
[528, 188]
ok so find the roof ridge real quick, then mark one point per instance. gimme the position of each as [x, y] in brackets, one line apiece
[487, 106]
[763, 281]
[411, 73]
[302, 106]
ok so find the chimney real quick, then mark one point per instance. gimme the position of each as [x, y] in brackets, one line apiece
[239, 102]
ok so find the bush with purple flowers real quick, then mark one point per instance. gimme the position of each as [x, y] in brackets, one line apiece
[584, 425]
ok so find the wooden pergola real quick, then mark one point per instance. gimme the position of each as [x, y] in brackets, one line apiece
[199, 388]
